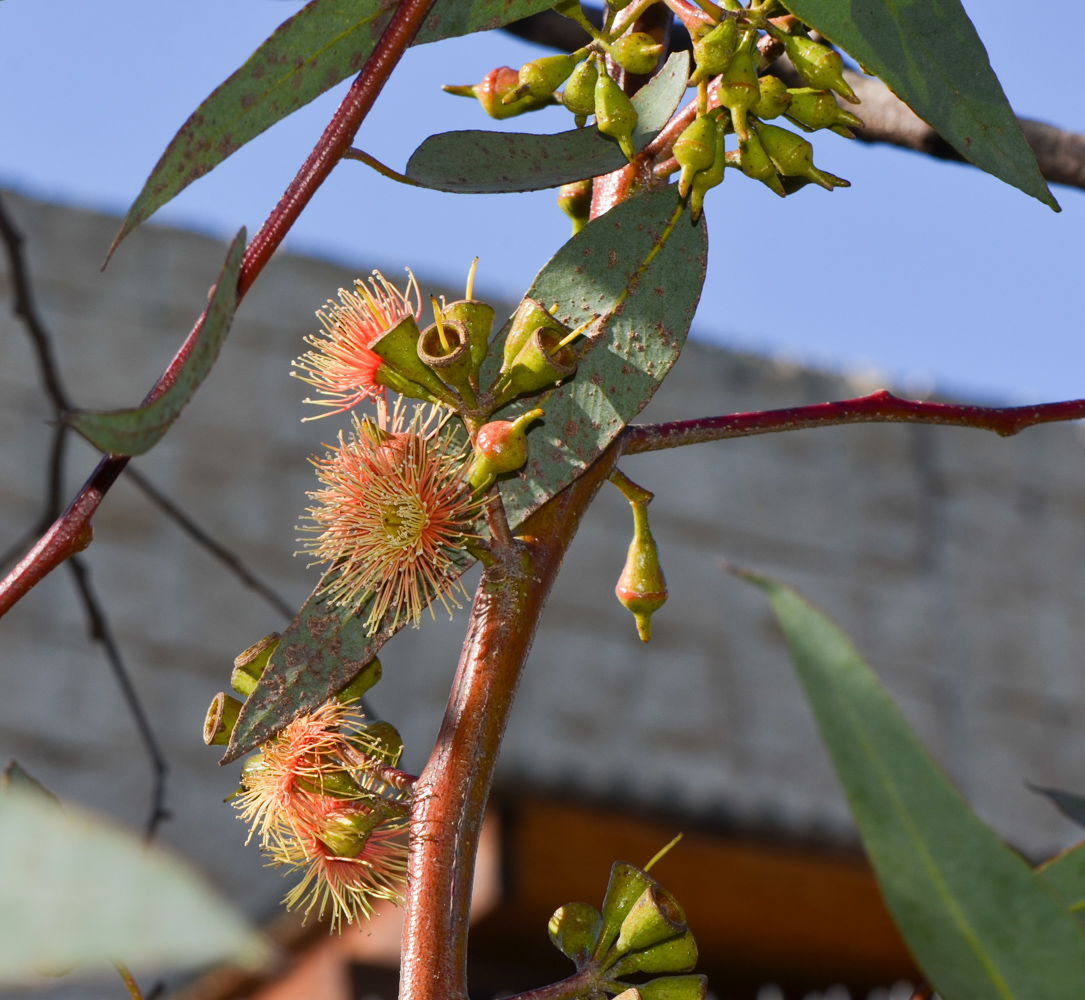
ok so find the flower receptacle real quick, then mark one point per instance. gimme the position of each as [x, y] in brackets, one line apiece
[654, 917]
[627, 884]
[574, 929]
[403, 370]
[221, 718]
[477, 318]
[249, 665]
[676, 954]
[445, 349]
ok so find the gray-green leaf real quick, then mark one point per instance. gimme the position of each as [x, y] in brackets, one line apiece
[980, 923]
[928, 53]
[473, 162]
[136, 430]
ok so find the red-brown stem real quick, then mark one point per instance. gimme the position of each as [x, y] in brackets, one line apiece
[451, 793]
[877, 408]
[577, 985]
[61, 540]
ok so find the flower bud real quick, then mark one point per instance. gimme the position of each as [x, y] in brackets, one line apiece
[579, 93]
[676, 954]
[494, 87]
[403, 370]
[637, 52]
[574, 929]
[755, 163]
[614, 114]
[641, 588]
[814, 109]
[369, 675]
[713, 49]
[379, 739]
[819, 66]
[675, 988]
[793, 156]
[627, 883]
[477, 318]
[249, 665]
[712, 177]
[346, 832]
[775, 98]
[695, 150]
[575, 201]
[221, 719]
[445, 350]
[500, 446]
[739, 90]
[654, 917]
[539, 78]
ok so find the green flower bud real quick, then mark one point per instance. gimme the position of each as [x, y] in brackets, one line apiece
[345, 833]
[575, 201]
[369, 675]
[249, 665]
[627, 883]
[500, 446]
[675, 988]
[739, 90]
[445, 349]
[541, 77]
[676, 954]
[404, 371]
[221, 719]
[814, 109]
[755, 163]
[654, 917]
[379, 739]
[579, 93]
[642, 588]
[614, 114]
[775, 98]
[574, 929]
[494, 87]
[818, 65]
[712, 177]
[713, 49]
[637, 52]
[793, 156]
[695, 150]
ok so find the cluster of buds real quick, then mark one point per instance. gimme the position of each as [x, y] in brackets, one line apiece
[734, 98]
[589, 88]
[324, 795]
[641, 930]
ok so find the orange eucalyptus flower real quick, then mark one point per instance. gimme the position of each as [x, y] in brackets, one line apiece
[394, 513]
[341, 366]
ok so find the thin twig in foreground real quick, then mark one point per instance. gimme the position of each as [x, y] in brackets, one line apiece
[879, 407]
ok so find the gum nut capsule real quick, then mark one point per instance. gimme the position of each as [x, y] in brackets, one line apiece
[494, 86]
[738, 88]
[579, 93]
[575, 201]
[695, 150]
[541, 77]
[793, 156]
[775, 98]
[637, 52]
[819, 66]
[755, 163]
[614, 114]
[500, 446]
[250, 664]
[816, 109]
[713, 49]
[221, 719]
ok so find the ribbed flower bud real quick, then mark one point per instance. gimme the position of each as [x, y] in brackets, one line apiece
[379, 739]
[500, 446]
[755, 163]
[676, 954]
[713, 49]
[370, 674]
[346, 832]
[539, 78]
[636, 52]
[775, 98]
[814, 109]
[818, 65]
[579, 93]
[641, 588]
[654, 917]
[575, 201]
[695, 150]
[545, 359]
[626, 885]
[614, 114]
[221, 719]
[574, 929]
[249, 665]
[530, 315]
[491, 91]
[739, 90]
[674, 988]
[793, 156]
[712, 177]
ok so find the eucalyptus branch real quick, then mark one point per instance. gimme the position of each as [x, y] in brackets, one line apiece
[62, 538]
[878, 408]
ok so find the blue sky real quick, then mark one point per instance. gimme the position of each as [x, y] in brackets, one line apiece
[930, 273]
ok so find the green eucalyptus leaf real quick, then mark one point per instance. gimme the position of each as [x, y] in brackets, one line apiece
[75, 890]
[322, 44]
[643, 338]
[474, 162]
[928, 53]
[1065, 873]
[136, 430]
[980, 923]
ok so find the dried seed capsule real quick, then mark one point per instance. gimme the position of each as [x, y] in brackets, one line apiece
[818, 65]
[814, 109]
[579, 93]
[739, 90]
[575, 201]
[541, 77]
[695, 150]
[793, 156]
[713, 49]
[775, 98]
[637, 52]
[614, 114]
[494, 86]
